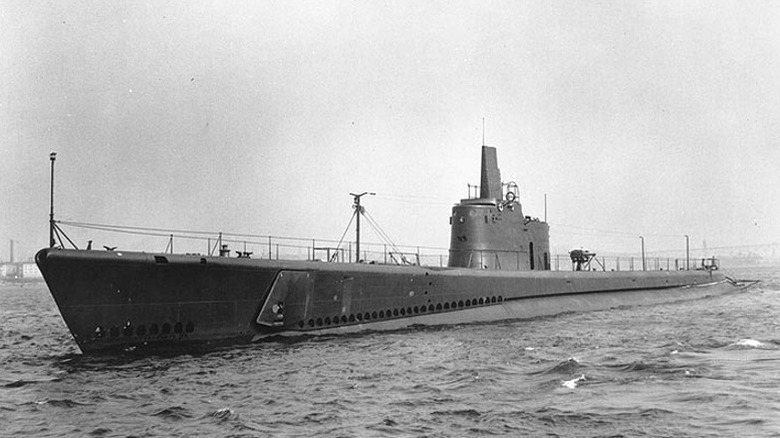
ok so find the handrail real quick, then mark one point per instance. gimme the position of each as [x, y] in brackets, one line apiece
[297, 248]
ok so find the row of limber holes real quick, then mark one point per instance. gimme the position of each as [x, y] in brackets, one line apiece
[416, 310]
[128, 330]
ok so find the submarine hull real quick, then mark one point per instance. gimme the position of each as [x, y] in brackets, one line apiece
[125, 300]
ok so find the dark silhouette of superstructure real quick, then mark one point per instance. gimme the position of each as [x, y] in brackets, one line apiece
[499, 268]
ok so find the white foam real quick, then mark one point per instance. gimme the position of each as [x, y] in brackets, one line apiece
[571, 384]
[223, 413]
[749, 343]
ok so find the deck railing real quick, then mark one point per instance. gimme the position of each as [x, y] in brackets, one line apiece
[325, 250]
[562, 262]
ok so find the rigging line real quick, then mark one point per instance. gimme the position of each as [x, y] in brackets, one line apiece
[382, 235]
[180, 236]
[57, 228]
[260, 236]
[398, 247]
[218, 242]
[393, 248]
[702, 249]
[389, 240]
[107, 227]
[559, 232]
[258, 243]
[757, 245]
[418, 201]
[385, 240]
[616, 233]
[140, 233]
[592, 230]
[378, 232]
[393, 195]
[126, 227]
[413, 199]
[349, 224]
[164, 232]
[57, 233]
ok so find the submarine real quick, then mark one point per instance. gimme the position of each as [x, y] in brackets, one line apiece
[498, 269]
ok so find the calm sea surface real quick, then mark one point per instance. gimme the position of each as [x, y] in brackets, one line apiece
[709, 367]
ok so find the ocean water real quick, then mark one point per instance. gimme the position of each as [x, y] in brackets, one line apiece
[709, 367]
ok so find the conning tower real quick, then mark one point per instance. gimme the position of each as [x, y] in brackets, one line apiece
[491, 232]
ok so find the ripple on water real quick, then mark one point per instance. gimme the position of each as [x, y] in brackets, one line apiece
[482, 379]
[100, 431]
[175, 413]
[566, 367]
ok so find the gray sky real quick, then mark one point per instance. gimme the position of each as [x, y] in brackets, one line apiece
[646, 118]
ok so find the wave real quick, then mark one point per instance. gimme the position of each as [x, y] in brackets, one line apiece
[769, 285]
[19, 383]
[559, 417]
[63, 403]
[174, 413]
[637, 366]
[750, 344]
[462, 413]
[224, 414]
[668, 369]
[568, 367]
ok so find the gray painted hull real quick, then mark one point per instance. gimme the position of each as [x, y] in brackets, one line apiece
[116, 300]
[534, 307]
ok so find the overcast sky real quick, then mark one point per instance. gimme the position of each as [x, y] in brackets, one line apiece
[635, 118]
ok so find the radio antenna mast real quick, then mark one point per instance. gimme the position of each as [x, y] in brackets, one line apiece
[52, 157]
[483, 131]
